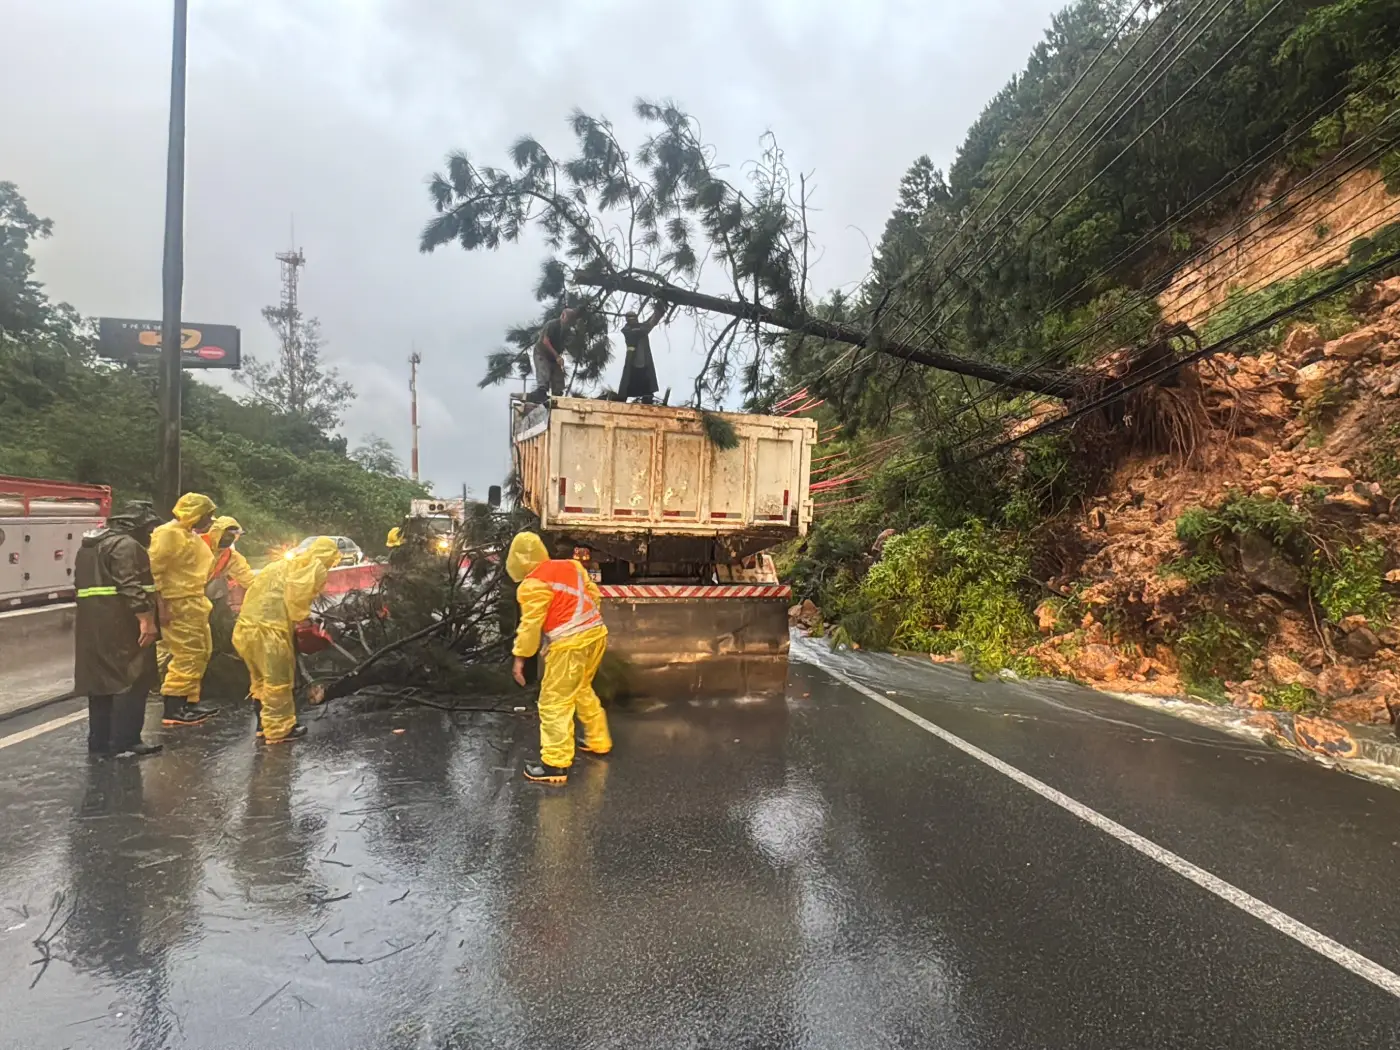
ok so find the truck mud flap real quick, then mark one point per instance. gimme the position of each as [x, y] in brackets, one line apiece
[700, 642]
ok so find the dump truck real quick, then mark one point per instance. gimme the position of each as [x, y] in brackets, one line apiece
[675, 530]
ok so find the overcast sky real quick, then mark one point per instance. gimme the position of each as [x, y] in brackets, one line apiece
[333, 112]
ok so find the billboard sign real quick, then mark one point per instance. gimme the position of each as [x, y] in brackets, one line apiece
[201, 345]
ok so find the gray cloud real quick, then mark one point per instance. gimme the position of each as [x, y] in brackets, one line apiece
[332, 112]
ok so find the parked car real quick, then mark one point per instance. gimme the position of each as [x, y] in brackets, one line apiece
[350, 552]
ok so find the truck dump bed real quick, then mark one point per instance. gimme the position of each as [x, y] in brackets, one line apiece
[643, 488]
[602, 467]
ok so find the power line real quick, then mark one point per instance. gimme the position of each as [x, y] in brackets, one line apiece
[1204, 256]
[1254, 328]
[1180, 29]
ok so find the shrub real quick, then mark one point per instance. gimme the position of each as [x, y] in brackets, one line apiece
[945, 591]
[1209, 648]
[1355, 584]
[1237, 516]
[1294, 697]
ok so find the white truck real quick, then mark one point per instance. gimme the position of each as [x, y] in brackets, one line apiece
[674, 529]
[41, 527]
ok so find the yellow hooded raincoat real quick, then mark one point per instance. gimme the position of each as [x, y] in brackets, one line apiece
[280, 598]
[566, 687]
[180, 562]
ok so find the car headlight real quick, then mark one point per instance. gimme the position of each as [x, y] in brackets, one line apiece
[290, 555]
[444, 544]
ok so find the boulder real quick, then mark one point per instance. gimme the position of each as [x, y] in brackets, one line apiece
[1328, 473]
[1313, 379]
[1387, 292]
[1097, 662]
[1268, 569]
[1353, 345]
[878, 547]
[1339, 681]
[806, 615]
[1349, 500]
[1300, 342]
[1361, 710]
[1389, 637]
[1286, 671]
[1361, 643]
[1267, 492]
[1046, 617]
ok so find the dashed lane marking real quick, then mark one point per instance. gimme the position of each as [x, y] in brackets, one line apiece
[1285, 924]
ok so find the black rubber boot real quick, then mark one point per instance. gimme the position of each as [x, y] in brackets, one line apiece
[180, 712]
[257, 714]
[544, 774]
[99, 725]
[141, 749]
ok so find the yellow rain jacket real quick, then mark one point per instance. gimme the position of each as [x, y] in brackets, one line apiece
[395, 538]
[550, 593]
[280, 598]
[180, 563]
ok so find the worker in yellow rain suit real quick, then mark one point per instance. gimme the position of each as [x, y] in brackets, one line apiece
[230, 576]
[395, 538]
[279, 599]
[558, 599]
[180, 561]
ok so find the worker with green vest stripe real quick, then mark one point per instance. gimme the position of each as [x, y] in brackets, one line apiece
[115, 653]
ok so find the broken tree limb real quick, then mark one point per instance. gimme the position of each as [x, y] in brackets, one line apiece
[1050, 382]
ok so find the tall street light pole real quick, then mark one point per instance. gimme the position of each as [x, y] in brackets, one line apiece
[173, 274]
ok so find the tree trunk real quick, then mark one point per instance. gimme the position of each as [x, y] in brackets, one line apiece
[1039, 380]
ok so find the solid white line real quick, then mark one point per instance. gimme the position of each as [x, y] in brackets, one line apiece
[41, 729]
[1285, 924]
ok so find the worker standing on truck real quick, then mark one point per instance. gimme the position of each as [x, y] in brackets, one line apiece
[639, 370]
[115, 660]
[548, 357]
[559, 601]
[180, 563]
[280, 598]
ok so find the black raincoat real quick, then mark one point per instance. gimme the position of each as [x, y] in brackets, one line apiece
[113, 576]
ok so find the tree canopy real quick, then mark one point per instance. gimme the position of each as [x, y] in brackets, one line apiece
[664, 211]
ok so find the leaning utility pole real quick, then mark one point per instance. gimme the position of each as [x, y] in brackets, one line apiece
[414, 360]
[173, 274]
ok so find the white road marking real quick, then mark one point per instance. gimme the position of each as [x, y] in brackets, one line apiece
[1285, 924]
[41, 729]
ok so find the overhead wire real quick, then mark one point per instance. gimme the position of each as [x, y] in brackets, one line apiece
[1287, 201]
[1065, 170]
[1064, 206]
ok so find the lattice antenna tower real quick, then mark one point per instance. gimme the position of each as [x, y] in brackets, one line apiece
[290, 315]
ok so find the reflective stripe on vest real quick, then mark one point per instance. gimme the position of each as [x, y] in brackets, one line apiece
[585, 615]
[97, 592]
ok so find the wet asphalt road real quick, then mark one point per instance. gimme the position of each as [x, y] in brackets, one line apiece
[812, 874]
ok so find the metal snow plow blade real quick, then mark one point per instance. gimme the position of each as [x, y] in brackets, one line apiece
[717, 641]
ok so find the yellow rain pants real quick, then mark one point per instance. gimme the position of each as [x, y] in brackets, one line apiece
[180, 561]
[566, 688]
[566, 693]
[280, 598]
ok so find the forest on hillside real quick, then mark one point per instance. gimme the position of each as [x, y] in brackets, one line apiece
[1136, 144]
[66, 414]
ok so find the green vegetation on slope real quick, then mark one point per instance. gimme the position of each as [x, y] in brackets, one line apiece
[1015, 258]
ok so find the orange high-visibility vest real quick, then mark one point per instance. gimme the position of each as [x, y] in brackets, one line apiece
[572, 611]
